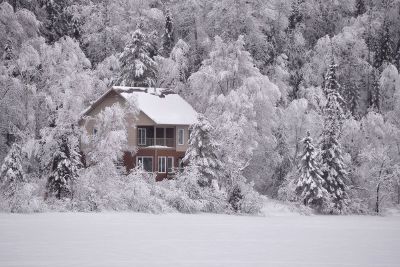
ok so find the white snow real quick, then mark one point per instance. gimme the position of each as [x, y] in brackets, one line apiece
[170, 109]
[134, 239]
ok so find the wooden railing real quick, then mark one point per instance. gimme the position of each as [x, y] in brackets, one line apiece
[168, 142]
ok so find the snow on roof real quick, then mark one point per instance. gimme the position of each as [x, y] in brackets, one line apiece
[161, 105]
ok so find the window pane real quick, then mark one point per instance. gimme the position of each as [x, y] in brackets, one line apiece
[148, 164]
[181, 137]
[159, 132]
[142, 136]
[170, 164]
[170, 132]
[161, 164]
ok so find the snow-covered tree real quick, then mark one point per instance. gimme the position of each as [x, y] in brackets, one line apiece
[374, 94]
[138, 68]
[60, 21]
[310, 184]
[334, 170]
[378, 168]
[226, 69]
[168, 37]
[389, 84]
[172, 72]
[384, 51]
[61, 149]
[12, 175]
[202, 152]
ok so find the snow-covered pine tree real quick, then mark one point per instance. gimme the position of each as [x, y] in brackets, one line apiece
[11, 172]
[60, 21]
[202, 152]
[384, 51]
[66, 161]
[310, 185]
[168, 37]
[351, 95]
[137, 66]
[333, 167]
[374, 96]
[360, 8]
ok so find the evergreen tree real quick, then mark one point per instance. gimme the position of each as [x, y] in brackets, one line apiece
[360, 8]
[137, 65]
[295, 15]
[334, 173]
[384, 51]
[60, 21]
[202, 152]
[310, 185]
[352, 97]
[66, 161]
[375, 94]
[11, 172]
[168, 42]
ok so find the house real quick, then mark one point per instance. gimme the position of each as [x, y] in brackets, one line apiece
[160, 131]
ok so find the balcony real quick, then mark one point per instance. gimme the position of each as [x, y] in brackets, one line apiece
[146, 142]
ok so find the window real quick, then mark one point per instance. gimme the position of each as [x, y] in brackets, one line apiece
[170, 164]
[142, 136]
[161, 164]
[94, 133]
[145, 162]
[181, 136]
[169, 134]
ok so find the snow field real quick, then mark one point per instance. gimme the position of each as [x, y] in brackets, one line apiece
[134, 239]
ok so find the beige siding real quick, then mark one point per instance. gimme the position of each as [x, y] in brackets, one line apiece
[142, 120]
[183, 147]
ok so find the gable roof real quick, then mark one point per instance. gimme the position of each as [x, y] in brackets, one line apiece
[161, 105]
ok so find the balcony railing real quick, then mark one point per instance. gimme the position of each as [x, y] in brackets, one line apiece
[168, 142]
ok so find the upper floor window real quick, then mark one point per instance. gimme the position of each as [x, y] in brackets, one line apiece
[141, 136]
[181, 136]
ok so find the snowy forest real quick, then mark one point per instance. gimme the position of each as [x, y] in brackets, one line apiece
[298, 101]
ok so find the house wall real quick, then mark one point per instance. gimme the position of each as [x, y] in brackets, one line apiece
[141, 120]
[130, 159]
[184, 147]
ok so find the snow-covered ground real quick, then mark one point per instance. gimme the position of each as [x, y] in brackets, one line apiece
[133, 239]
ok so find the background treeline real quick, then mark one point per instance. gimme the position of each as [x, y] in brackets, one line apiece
[263, 73]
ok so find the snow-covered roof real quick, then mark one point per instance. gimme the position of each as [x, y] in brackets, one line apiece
[161, 105]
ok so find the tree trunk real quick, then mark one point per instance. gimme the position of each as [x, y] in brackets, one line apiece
[14, 5]
[377, 199]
